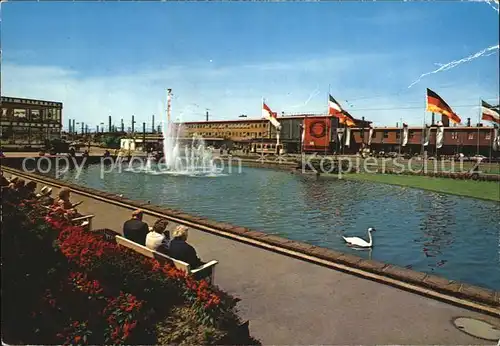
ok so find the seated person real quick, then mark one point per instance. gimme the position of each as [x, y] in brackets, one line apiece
[64, 202]
[181, 250]
[16, 184]
[135, 229]
[158, 237]
[15, 189]
[45, 197]
[29, 189]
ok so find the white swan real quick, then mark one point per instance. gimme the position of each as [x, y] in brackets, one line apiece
[358, 242]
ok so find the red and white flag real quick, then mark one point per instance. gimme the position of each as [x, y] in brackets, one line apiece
[490, 113]
[267, 112]
[334, 108]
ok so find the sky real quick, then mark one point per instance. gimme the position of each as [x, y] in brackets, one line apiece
[118, 58]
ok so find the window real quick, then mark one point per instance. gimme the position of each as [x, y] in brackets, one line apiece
[470, 135]
[5, 113]
[411, 134]
[487, 136]
[454, 135]
[386, 134]
[398, 135]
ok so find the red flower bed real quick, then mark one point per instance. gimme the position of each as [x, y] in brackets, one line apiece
[90, 290]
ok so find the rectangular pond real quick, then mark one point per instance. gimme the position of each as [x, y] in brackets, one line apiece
[454, 237]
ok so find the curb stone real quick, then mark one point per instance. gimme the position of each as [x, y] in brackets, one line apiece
[455, 289]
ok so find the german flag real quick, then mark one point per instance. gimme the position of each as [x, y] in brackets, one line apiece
[436, 104]
[490, 113]
[347, 119]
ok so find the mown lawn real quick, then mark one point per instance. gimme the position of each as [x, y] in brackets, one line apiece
[469, 188]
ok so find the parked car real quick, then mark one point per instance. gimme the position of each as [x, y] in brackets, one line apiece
[56, 146]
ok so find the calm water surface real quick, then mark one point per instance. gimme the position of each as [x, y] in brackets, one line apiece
[447, 235]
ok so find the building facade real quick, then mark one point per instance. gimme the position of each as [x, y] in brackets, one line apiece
[248, 131]
[468, 140]
[29, 123]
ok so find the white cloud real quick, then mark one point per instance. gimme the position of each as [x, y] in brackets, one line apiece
[368, 81]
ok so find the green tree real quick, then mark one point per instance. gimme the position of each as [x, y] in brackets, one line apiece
[111, 141]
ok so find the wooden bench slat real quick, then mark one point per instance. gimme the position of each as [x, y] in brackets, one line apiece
[208, 267]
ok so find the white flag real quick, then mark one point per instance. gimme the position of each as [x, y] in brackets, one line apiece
[348, 137]
[405, 135]
[370, 135]
[340, 132]
[426, 135]
[439, 136]
[496, 140]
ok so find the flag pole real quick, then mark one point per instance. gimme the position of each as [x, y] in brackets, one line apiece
[262, 137]
[401, 136]
[329, 121]
[491, 143]
[424, 128]
[478, 122]
[436, 139]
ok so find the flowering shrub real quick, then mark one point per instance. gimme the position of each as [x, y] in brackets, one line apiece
[76, 333]
[450, 175]
[121, 313]
[82, 283]
[109, 294]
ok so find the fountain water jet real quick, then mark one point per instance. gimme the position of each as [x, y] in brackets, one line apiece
[196, 161]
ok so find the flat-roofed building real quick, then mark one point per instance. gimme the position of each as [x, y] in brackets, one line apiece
[28, 122]
[247, 131]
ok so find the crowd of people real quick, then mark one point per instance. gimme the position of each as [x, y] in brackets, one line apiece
[156, 238]
[23, 190]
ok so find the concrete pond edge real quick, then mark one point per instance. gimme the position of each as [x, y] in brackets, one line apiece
[457, 293]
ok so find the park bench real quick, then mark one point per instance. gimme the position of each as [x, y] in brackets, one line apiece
[206, 271]
[84, 221]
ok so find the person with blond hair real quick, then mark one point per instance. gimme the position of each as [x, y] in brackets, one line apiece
[135, 229]
[181, 250]
[64, 202]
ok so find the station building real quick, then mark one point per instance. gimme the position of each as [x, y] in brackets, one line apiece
[29, 123]
[245, 132]
[322, 136]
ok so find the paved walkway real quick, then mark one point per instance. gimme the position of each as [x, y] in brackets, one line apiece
[289, 301]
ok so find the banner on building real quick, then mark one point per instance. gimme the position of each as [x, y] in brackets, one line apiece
[496, 140]
[316, 133]
[405, 135]
[348, 137]
[370, 135]
[426, 135]
[439, 136]
[340, 133]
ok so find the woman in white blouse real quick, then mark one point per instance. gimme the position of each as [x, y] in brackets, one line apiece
[158, 237]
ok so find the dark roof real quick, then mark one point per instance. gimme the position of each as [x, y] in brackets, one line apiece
[9, 99]
[258, 120]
